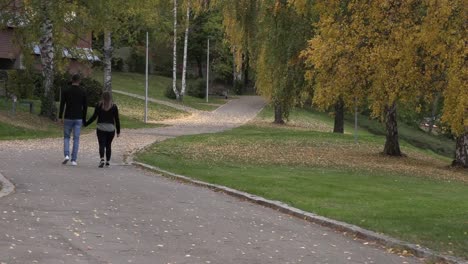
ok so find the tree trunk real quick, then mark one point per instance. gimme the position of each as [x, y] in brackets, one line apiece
[339, 117]
[237, 74]
[392, 145]
[184, 68]
[278, 114]
[107, 61]
[174, 57]
[47, 53]
[461, 151]
[246, 69]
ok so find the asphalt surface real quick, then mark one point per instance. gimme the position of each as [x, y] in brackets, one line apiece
[83, 214]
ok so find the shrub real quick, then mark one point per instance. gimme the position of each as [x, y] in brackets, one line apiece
[169, 93]
[93, 90]
[20, 83]
[118, 64]
[62, 81]
[238, 87]
[197, 88]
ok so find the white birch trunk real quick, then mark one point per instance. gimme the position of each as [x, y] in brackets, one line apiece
[184, 69]
[174, 59]
[47, 54]
[107, 61]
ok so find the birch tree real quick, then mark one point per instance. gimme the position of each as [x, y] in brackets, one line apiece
[107, 61]
[442, 37]
[47, 54]
[51, 25]
[113, 20]
[186, 39]
[174, 54]
[359, 54]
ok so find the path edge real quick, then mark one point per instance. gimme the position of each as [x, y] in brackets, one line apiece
[349, 229]
[7, 186]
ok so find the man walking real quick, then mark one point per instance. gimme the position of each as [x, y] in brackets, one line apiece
[73, 101]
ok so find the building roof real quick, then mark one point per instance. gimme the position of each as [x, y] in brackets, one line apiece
[75, 53]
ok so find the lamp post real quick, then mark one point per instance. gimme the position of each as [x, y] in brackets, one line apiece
[207, 70]
[146, 80]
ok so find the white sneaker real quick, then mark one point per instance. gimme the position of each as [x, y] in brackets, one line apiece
[67, 158]
[73, 163]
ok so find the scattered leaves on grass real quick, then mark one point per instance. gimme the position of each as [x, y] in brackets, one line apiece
[316, 153]
[26, 120]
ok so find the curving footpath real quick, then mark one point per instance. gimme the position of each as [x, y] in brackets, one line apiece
[123, 214]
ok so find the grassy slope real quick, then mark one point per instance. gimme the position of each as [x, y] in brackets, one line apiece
[416, 137]
[135, 83]
[417, 199]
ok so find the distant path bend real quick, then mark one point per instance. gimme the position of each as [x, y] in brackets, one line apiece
[166, 103]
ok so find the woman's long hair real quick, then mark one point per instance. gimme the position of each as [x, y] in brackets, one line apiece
[106, 101]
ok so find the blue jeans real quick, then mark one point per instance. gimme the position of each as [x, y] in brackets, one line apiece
[68, 126]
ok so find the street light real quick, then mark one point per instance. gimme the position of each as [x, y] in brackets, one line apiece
[207, 70]
[146, 80]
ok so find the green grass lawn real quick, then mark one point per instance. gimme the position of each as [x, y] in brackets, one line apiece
[135, 83]
[10, 132]
[416, 199]
[24, 125]
[310, 119]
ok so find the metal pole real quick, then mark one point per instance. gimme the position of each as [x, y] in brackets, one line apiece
[207, 70]
[355, 122]
[146, 81]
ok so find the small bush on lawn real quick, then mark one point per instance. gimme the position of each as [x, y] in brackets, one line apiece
[169, 93]
[62, 81]
[20, 83]
[197, 88]
[238, 87]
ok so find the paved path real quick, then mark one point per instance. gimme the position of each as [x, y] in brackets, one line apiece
[65, 214]
[166, 103]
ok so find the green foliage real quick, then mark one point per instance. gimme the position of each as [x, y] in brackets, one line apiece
[209, 25]
[137, 61]
[169, 92]
[48, 106]
[238, 87]
[93, 90]
[21, 83]
[270, 36]
[92, 87]
[197, 88]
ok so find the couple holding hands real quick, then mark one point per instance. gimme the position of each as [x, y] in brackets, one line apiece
[73, 110]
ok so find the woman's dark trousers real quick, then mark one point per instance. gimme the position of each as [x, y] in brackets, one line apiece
[105, 142]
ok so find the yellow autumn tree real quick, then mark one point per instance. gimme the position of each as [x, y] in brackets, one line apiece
[334, 60]
[366, 52]
[443, 37]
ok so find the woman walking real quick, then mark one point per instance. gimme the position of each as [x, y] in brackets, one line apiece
[108, 123]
